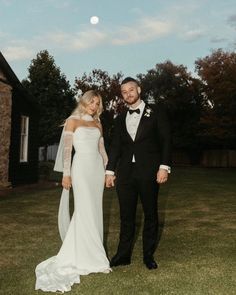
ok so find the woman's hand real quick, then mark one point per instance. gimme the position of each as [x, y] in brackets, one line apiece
[66, 182]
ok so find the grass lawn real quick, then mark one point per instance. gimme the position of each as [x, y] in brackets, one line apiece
[196, 252]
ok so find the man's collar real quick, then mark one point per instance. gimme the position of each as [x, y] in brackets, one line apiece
[141, 106]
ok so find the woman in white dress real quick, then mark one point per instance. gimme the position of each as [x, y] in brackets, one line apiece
[82, 251]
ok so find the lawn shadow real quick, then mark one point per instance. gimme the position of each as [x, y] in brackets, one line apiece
[162, 203]
[109, 196]
[138, 223]
[110, 220]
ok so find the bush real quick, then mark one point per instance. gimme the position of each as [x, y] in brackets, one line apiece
[46, 172]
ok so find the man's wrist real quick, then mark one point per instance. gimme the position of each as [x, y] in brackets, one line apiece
[109, 172]
[66, 174]
[165, 167]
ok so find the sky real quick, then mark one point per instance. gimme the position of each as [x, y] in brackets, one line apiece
[132, 36]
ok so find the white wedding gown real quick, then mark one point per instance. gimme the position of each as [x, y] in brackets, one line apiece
[82, 251]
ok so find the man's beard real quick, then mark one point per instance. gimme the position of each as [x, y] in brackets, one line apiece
[134, 100]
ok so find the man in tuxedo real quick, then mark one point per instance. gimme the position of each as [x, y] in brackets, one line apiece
[139, 160]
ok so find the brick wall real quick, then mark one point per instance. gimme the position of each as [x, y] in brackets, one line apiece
[5, 129]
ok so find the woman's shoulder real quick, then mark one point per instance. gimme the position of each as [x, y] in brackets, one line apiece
[72, 122]
[74, 118]
[98, 121]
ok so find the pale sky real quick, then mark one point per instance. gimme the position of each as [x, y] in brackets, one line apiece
[132, 36]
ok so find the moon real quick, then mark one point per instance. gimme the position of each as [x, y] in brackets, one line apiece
[94, 20]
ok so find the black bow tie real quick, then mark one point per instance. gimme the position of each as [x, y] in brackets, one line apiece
[134, 111]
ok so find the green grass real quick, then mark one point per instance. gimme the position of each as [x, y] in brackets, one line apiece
[196, 252]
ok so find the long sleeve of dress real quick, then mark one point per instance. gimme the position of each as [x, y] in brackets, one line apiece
[68, 141]
[102, 150]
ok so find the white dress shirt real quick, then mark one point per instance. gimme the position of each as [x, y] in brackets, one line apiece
[132, 122]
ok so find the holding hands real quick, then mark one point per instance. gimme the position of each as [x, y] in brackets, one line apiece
[110, 180]
[162, 177]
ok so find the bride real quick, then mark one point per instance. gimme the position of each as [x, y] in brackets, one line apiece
[82, 251]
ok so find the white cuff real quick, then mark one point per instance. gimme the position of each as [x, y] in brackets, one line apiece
[165, 167]
[109, 172]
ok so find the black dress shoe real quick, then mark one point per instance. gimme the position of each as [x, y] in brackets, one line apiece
[150, 263]
[116, 261]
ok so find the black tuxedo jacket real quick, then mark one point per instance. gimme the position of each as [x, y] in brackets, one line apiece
[151, 146]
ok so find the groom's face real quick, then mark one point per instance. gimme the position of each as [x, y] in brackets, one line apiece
[130, 92]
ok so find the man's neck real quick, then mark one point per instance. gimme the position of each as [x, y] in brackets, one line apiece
[136, 104]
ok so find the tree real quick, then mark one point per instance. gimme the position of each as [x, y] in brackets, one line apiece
[49, 87]
[173, 86]
[218, 121]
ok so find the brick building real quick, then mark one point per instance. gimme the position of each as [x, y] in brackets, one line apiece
[18, 130]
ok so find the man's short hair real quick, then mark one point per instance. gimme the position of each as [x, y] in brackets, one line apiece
[129, 79]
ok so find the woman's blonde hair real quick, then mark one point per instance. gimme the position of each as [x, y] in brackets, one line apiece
[84, 100]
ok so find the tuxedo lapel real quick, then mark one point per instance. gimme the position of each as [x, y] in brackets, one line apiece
[141, 124]
[124, 127]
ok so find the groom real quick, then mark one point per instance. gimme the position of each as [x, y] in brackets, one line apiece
[140, 157]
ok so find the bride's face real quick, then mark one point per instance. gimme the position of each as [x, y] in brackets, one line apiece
[92, 106]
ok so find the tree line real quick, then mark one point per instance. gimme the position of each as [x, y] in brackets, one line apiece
[202, 107]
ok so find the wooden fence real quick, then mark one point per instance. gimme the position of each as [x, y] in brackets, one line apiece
[207, 158]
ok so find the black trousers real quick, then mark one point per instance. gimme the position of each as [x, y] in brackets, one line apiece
[128, 192]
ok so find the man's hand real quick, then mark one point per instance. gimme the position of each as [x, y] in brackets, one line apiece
[162, 176]
[66, 182]
[110, 180]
